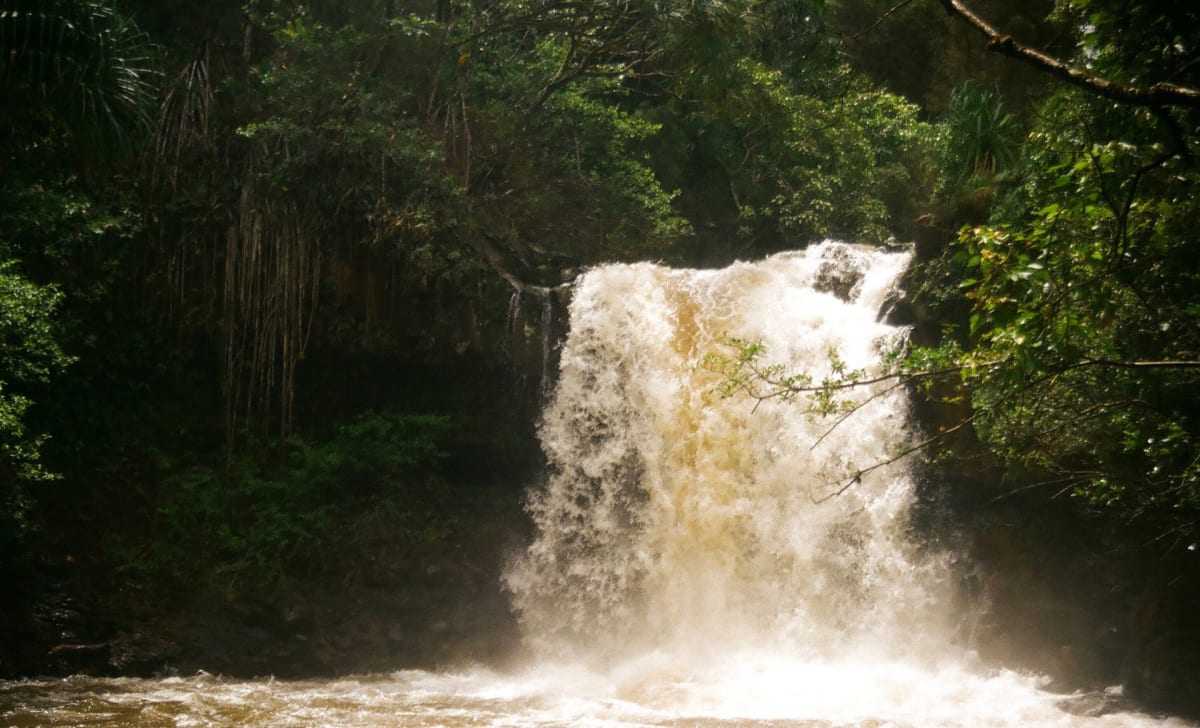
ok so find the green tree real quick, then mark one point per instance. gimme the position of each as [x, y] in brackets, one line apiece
[76, 86]
[456, 152]
[29, 354]
[1084, 323]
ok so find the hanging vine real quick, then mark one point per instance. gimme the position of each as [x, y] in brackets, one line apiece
[249, 273]
[269, 292]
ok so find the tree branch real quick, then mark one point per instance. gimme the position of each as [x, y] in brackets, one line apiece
[1155, 96]
[892, 10]
[498, 263]
[1168, 364]
[910, 450]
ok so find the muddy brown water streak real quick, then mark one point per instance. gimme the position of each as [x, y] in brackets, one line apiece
[682, 573]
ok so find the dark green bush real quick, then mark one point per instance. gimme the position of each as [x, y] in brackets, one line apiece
[284, 503]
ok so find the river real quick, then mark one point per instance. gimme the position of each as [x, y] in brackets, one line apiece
[698, 559]
[766, 692]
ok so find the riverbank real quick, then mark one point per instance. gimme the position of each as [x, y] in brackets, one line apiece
[401, 605]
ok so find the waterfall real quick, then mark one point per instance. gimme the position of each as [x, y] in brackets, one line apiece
[677, 521]
[689, 567]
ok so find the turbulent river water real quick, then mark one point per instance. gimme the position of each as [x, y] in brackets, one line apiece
[691, 564]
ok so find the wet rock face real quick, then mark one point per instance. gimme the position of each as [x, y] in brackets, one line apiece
[142, 650]
[50, 625]
[1051, 589]
[1160, 666]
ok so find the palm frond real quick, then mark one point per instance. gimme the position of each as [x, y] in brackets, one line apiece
[81, 61]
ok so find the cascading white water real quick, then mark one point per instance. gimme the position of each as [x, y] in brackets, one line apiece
[675, 519]
[689, 559]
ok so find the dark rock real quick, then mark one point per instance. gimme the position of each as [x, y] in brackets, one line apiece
[1096, 703]
[840, 274]
[142, 651]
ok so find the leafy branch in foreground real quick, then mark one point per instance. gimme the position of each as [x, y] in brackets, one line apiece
[743, 372]
[1031, 418]
[834, 395]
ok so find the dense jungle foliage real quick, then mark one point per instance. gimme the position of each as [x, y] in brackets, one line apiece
[257, 259]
